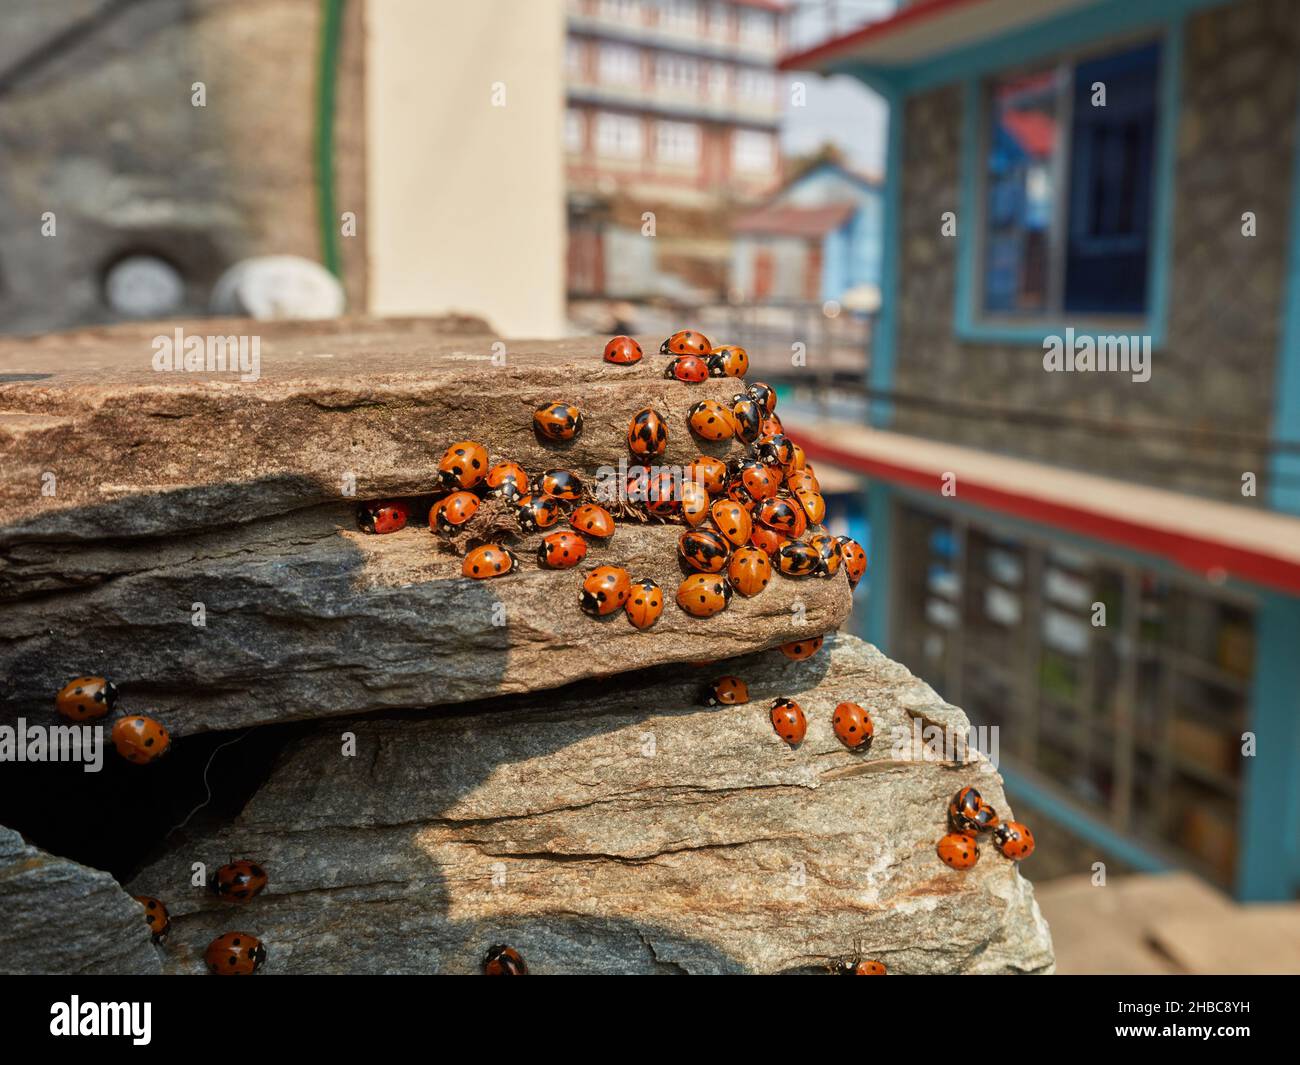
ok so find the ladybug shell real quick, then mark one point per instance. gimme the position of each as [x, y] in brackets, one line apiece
[623, 351]
[239, 881]
[729, 360]
[775, 449]
[686, 342]
[156, 916]
[507, 480]
[385, 516]
[855, 559]
[759, 481]
[771, 426]
[593, 520]
[798, 458]
[710, 420]
[764, 395]
[662, 495]
[140, 739]
[561, 550]
[558, 421]
[561, 484]
[805, 479]
[862, 967]
[710, 471]
[745, 413]
[828, 550]
[783, 516]
[463, 465]
[490, 560]
[965, 805]
[814, 506]
[645, 604]
[726, 691]
[689, 369]
[537, 512]
[504, 961]
[853, 726]
[798, 650]
[695, 502]
[456, 510]
[647, 435]
[797, 559]
[86, 698]
[604, 590]
[749, 571]
[732, 520]
[703, 594]
[704, 550]
[1014, 840]
[789, 722]
[235, 954]
[958, 851]
[766, 540]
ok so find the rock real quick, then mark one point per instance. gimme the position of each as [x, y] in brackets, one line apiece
[275, 287]
[62, 918]
[617, 827]
[304, 616]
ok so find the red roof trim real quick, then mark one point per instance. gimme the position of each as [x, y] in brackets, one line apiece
[918, 12]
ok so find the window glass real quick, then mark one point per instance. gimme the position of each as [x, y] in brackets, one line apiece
[677, 143]
[618, 136]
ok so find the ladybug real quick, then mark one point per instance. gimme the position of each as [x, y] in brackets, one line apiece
[789, 722]
[558, 421]
[686, 342]
[490, 560]
[456, 510]
[782, 516]
[689, 369]
[86, 698]
[853, 727]
[771, 426]
[561, 550]
[695, 502]
[794, 558]
[828, 550]
[798, 650]
[704, 594]
[726, 691]
[646, 603]
[235, 954]
[757, 481]
[156, 916]
[1014, 840]
[855, 559]
[662, 496]
[812, 504]
[732, 520]
[593, 520]
[969, 814]
[703, 550]
[728, 360]
[537, 512]
[745, 413]
[860, 967]
[710, 420]
[463, 465]
[763, 395]
[776, 449]
[958, 851]
[802, 480]
[749, 571]
[508, 481]
[798, 457]
[638, 484]
[710, 472]
[384, 516]
[647, 436]
[140, 739]
[766, 540]
[560, 484]
[504, 961]
[239, 881]
[604, 590]
[623, 351]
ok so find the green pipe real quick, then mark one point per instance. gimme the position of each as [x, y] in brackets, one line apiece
[326, 84]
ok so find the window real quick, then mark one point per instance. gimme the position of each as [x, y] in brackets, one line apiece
[757, 28]
[626, 11]
[574, 131]
[677, 143]
[680, 16]
[573, 57]
[1067, 188]
[620, 65]
[618, 136]
[675, 73]
[752, 151]
[717, 82]
[719, 24]
[756, 86]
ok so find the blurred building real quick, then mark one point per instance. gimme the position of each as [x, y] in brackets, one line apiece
[1081, 447]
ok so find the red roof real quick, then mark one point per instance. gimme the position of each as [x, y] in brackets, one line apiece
[782, 220]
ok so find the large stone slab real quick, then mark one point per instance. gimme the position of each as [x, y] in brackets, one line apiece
[616, 827]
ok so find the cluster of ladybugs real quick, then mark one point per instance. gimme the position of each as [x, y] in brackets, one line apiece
[746, 518]
[969, 816]
[137, 738]
[852, 724]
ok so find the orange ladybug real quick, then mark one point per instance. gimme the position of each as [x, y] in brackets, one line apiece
[814, 506]
[726, 691]
[239, 881]
[490, 560]
[794, 558]
[456, 510]
[647, 436]
[622, 351]
[235, 954]
[829, 552]
[704, 594]
[710, 420]
[748, 418]
[561, 550]
[662, 495]
[86, 698]
[798, 650]
[764, 395]
[140, 739]
[383, 516]
[703, 550]
[689, 369]
[766, 540]
[798, 459]
[686, 342]
[507, 480]
[749, 571]
[156, 916]
[782, 516]
[861, 967]
[463, 465]
[788, 721]
[969, 814]
[646, 603]
[776, 449]
[1014, 840]
[771, 426]
[854, 558]
[853, 727]
[958, 851]
[802, 480]
[537, 512]
[728, 360]
[558, 421]
[504, 961]
[593, 520]
[604, 590]
[709, 471]
[732, 520]
[559, 484]
[695, 502]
